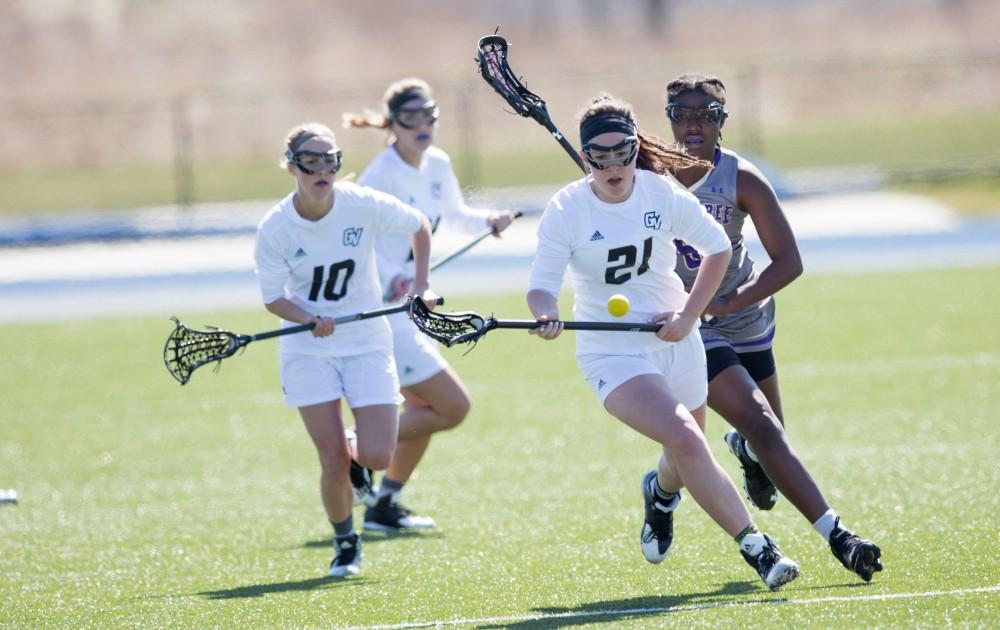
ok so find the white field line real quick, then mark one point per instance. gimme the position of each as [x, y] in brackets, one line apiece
[664, 609]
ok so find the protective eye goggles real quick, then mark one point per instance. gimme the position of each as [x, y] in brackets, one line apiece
[312, 162]
[714, 113]
[413, 118]
[622, 154]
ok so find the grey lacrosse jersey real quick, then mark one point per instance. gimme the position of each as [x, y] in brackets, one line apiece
[751, 328]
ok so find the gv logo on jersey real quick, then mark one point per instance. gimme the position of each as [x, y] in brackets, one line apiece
[435, 190]
[352, 236]
[652, 220]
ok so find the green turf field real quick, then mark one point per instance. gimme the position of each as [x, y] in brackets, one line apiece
[145, 504]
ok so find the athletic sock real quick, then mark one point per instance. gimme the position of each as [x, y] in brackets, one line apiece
[826, 524]
[389, 486]
[344, 528]
[751, 541]
[661, 493]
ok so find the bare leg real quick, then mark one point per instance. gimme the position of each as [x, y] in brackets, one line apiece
[436, 404]
[326, 428]
[668, 477]
[736, 397]
[770, 388]
[645, 404]
[377, 426]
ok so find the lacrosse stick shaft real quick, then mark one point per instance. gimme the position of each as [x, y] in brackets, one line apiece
[613, 326]
[565, 144]
[291, 330]
[475, 241]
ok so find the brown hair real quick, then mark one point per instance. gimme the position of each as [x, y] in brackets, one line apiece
[707, 84]
[368, 118]
[300, 134]
[654, 154]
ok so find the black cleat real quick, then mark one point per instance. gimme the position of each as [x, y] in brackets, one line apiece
[361, 477]
[385, 515]
[857, 554]
[658, 526]
[758, 487]
[775, 569]
[347, 561]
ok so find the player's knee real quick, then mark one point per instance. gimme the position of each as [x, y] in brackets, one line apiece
[379, 460]
[762, 429]
[684, 439]
[335, 462]
[375, 456]
[454, 412]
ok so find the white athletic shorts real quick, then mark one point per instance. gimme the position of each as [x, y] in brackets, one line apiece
[682, 364]
[366, 379]
[418, 357]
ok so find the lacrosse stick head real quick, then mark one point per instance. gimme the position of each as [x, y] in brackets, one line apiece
[187, 349]
[491, 55]
[450, 328]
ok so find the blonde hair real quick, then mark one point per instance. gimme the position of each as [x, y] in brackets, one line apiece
[406, 89]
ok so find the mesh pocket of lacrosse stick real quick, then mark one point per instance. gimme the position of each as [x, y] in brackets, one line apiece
[492, 59]
[450, 328]
[188, 349]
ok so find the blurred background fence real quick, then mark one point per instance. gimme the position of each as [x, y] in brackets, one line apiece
[178, 102]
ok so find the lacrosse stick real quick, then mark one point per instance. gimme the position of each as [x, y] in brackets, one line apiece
[187, 349]
[464, 248]
[467, 327]
[491, 55]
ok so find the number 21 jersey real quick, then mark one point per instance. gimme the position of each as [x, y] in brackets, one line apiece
[624, 248]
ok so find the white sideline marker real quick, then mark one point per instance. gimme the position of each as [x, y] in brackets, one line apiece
[654, 610]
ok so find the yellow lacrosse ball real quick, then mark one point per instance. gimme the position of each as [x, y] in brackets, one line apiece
[618, 305]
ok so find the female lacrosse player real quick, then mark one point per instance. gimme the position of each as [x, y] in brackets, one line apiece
[739, 327]
[412, 169]
[315, 261]
[615, 229]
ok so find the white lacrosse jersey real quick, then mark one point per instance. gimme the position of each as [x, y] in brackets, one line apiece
[328, 266]
[433, 189]
[625, 248]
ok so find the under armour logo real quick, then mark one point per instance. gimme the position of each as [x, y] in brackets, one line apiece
[597, 236]
[352, 236]
[652, 220]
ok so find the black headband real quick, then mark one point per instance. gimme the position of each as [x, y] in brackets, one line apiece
[605, 122]
[408, 94]
[303, 138]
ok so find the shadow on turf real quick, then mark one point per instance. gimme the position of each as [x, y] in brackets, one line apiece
[368, 537]
[258, 590]
[622, 609]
